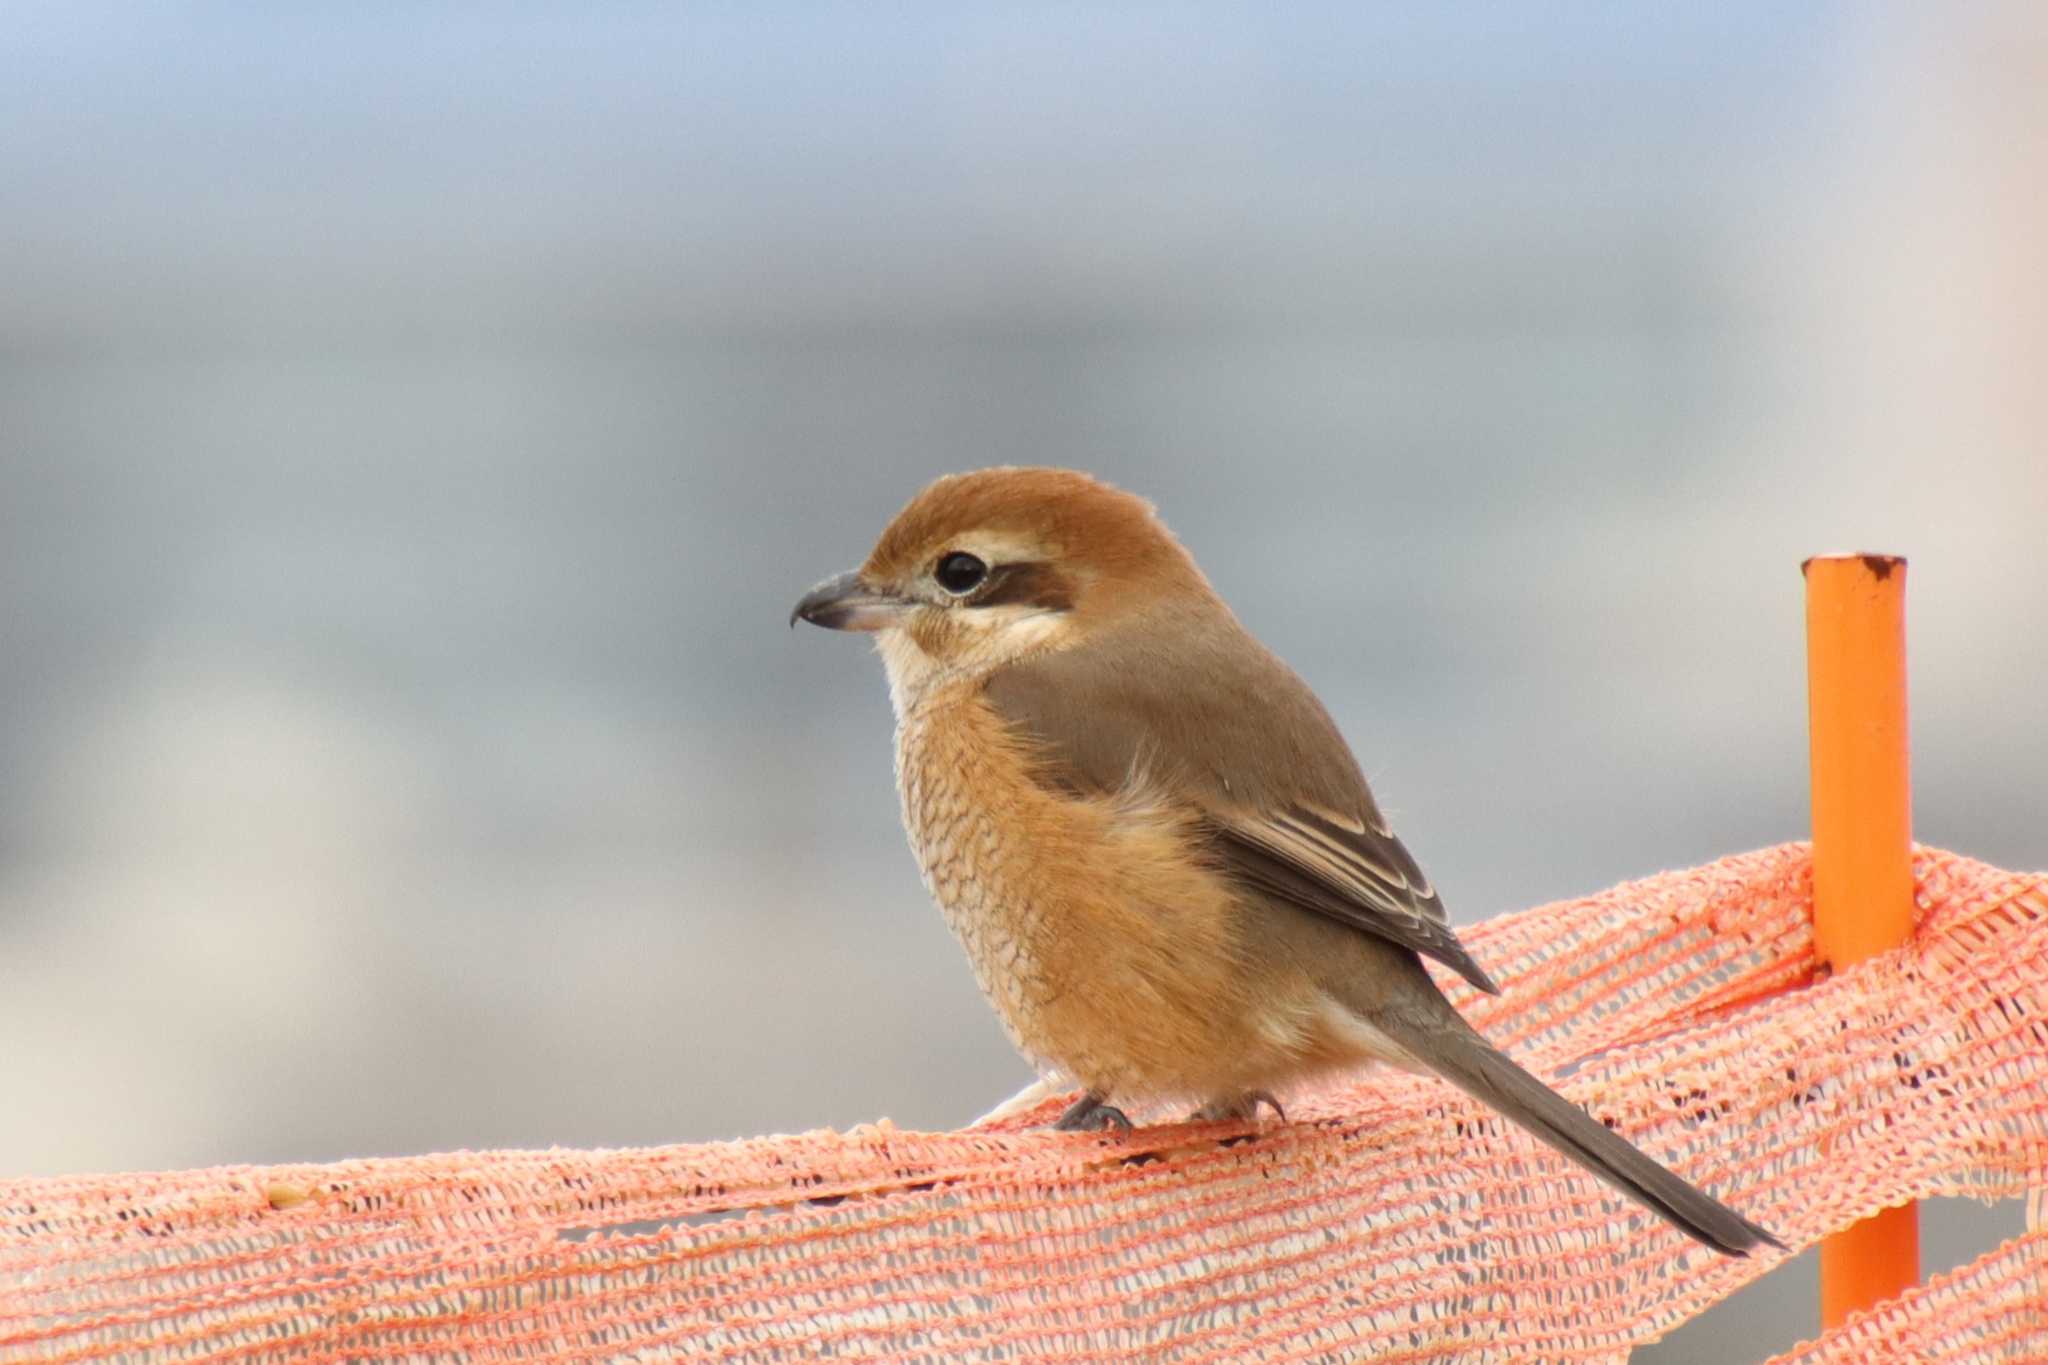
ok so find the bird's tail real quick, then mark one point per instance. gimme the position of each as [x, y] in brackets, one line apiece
[1481, 1070]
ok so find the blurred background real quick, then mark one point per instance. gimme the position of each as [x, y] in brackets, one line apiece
[415, 423]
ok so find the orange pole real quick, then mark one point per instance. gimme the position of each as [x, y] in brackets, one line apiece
[1862, 846]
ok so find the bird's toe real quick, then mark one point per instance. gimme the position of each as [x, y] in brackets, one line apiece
[1090, 1114]
[1238, 1109]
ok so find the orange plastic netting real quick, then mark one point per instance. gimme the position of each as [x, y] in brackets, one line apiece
[1390, 1218]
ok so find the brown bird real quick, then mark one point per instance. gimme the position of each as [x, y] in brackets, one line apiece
[1159, 854]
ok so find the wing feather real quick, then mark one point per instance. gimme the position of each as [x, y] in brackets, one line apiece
[1224, 724]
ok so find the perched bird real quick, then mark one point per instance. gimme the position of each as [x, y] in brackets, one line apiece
[1159, 854]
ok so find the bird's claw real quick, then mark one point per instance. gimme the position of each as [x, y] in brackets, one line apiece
[1090, 1114]
[1243, 1109]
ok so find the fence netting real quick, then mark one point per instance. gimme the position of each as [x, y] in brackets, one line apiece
[1389, 1218]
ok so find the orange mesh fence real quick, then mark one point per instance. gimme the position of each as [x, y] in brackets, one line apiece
[1992, 1309]
[1390, 1218]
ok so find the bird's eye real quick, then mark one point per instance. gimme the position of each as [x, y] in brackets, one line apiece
[960, 573]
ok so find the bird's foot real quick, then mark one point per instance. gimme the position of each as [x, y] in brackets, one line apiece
[1241, 1109]
[1090, 1114]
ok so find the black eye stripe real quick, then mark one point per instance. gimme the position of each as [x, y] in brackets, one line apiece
[1027, 585]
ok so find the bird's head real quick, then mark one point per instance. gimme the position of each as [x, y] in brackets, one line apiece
[984, 569]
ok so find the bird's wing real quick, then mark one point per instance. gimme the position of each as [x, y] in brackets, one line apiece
[1195, 707]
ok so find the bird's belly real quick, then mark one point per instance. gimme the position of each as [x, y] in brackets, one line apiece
[1110, 951]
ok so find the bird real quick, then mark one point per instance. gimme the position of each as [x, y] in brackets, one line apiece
[1163, 861]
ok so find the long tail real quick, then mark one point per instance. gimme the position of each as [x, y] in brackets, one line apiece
[1457, 1053]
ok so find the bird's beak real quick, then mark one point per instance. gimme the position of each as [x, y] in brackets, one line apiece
[846, 602]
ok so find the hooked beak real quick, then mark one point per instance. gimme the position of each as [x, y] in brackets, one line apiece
[845, 602]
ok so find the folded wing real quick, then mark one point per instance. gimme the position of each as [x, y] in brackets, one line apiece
[1233, 731]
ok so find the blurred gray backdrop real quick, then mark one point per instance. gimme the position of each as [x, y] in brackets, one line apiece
[415, 423]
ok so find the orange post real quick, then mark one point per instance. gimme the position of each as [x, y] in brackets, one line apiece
[1862, 846]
